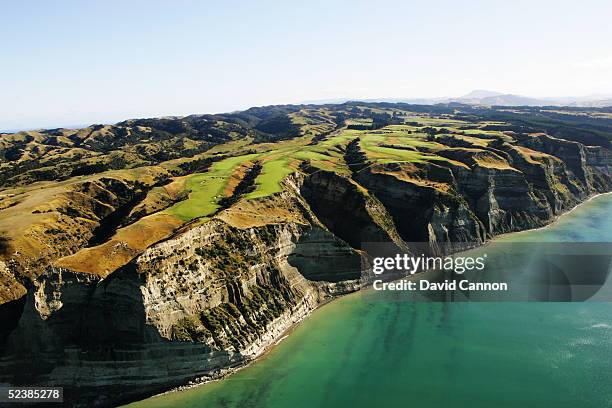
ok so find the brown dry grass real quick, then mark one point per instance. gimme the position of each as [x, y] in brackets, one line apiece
[533, 156]
[263, 211]
[236, 178]
[127, 243]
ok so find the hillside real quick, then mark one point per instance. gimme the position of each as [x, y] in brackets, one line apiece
[183, 246]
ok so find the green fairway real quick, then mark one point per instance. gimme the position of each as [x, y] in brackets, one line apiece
[206, 189]
[272, 173]
[408, 142]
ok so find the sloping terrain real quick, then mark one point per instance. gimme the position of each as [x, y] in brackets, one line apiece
[137, 256]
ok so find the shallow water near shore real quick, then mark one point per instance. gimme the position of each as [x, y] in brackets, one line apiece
[360, 353]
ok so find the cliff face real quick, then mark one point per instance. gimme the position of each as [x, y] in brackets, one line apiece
[348, 210]
[209, 299]
[209, 293]
[478, 194]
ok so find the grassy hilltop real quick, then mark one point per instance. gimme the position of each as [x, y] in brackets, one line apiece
[92, 199]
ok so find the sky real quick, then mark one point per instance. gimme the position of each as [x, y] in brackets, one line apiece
[69, 63]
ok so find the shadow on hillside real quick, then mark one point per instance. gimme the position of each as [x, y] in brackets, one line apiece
[4, 246]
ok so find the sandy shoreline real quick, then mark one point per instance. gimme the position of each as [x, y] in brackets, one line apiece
[224, 373]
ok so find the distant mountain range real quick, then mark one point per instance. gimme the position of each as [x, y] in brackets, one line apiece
[492, 98]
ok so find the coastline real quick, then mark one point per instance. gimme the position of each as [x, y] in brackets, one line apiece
[553, 220]
[228, 371]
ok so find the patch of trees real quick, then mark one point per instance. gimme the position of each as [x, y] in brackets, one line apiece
[173, 126]
[246, 185]
[358, 126]
[89, 168]
[434, 131]
[13, 153]
[276, 128]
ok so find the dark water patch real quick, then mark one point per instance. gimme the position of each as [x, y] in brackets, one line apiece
[391, 326]
[344, 361]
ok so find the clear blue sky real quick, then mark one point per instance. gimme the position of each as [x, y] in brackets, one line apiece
[80, 62]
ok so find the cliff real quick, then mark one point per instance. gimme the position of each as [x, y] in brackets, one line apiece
[133, 295]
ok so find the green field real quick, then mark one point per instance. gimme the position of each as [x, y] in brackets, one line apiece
[206, 189]
[272, 173]
[407, 142]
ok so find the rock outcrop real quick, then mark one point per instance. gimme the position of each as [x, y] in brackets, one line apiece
[214, 297]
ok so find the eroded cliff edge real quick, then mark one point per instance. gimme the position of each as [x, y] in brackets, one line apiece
[219, 291]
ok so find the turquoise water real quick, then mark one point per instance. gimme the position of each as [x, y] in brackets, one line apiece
[359, 353]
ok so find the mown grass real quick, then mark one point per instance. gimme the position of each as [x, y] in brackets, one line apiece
[273, 172]
[395, 144]
[206, 189]
[399, 143]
